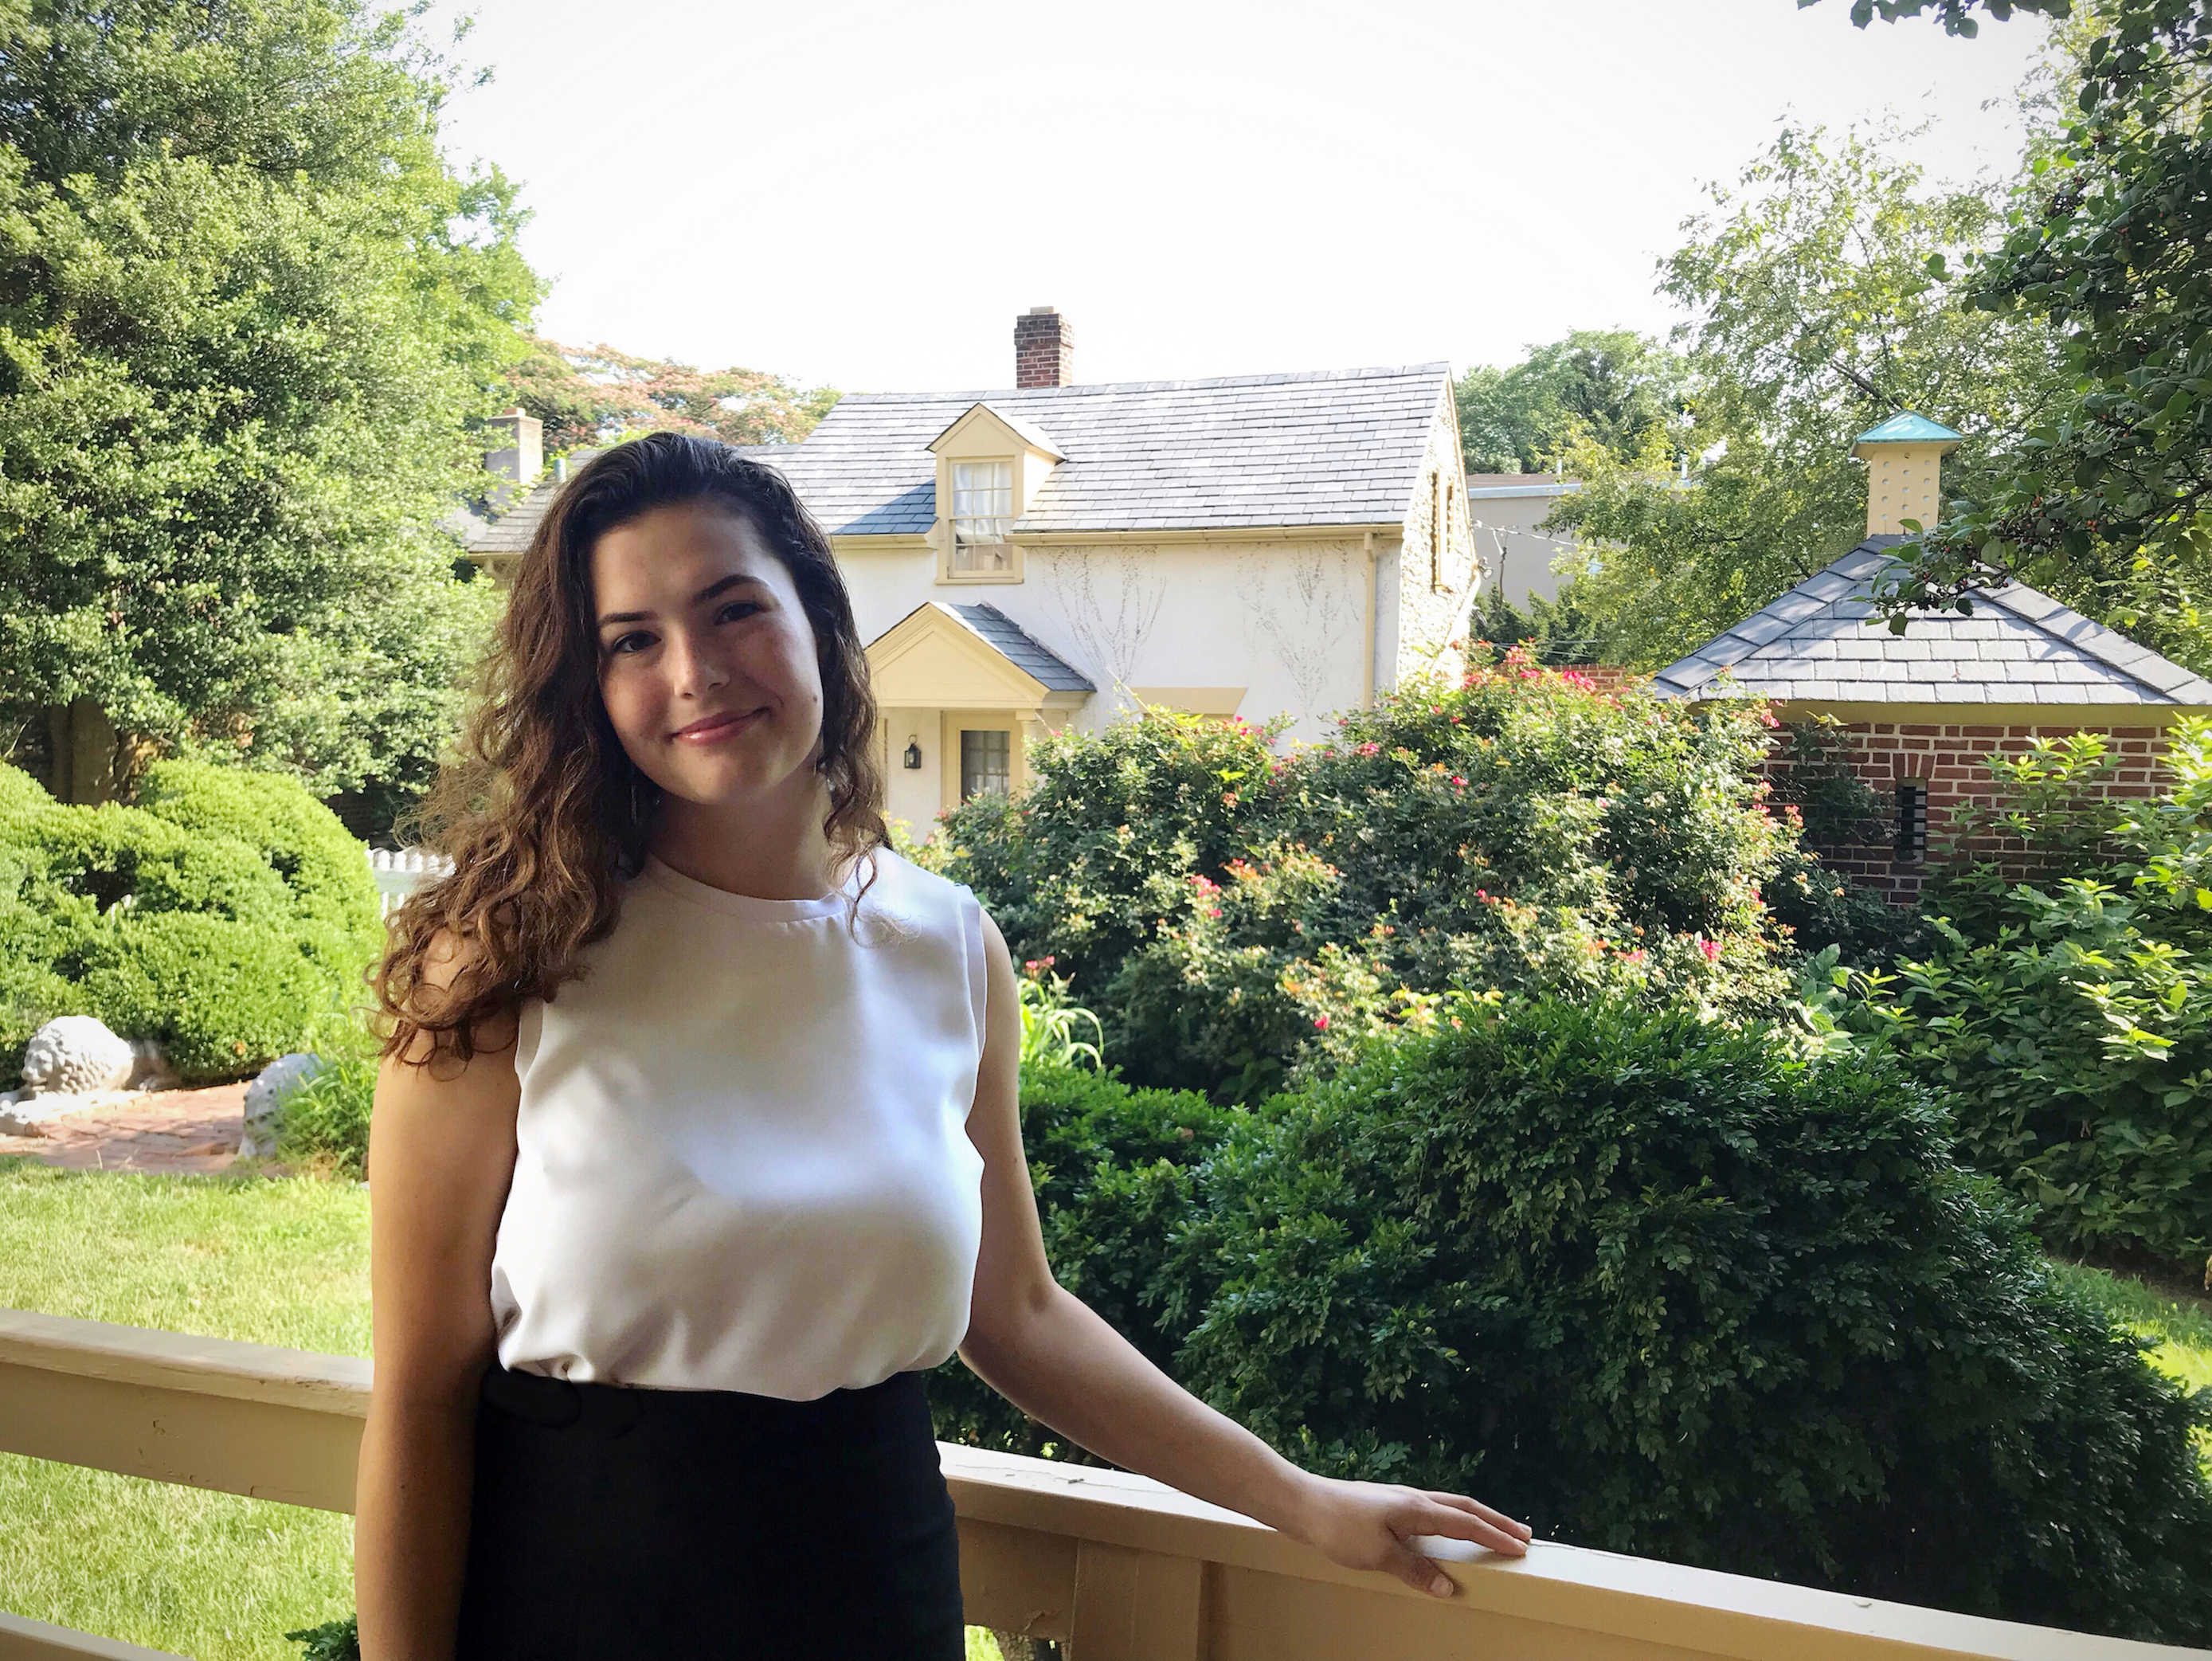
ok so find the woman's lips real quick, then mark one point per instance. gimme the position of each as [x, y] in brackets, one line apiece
[720, 728]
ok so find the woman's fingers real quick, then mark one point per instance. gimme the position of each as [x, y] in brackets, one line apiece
[1417, 1572]
[1448, 1523]
[1488, 1513]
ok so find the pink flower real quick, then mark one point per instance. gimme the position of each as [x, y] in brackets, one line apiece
[1321, 1023]
[1459, 781]
[1710, 948]
[1370, 749]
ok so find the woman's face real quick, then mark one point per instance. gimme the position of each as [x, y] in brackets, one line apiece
[707, 660]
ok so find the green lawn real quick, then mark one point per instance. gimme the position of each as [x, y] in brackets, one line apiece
[2181, 1329]
[206, 1575]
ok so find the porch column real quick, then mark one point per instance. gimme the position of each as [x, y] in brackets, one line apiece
[1029, 728]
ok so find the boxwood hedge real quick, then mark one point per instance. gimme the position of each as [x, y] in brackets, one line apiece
[223, 915]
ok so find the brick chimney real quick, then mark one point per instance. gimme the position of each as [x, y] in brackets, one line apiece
[1044, 349]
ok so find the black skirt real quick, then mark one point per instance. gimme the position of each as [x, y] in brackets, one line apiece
[609, 1522]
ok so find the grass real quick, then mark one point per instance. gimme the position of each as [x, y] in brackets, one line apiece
[209, 1576]
[2179, 1326]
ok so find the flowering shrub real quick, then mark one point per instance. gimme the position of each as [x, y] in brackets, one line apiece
[1240, 920]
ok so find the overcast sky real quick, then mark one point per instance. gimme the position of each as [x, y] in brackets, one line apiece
[866, 194]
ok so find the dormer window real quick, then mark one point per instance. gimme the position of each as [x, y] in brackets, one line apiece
[982, 512]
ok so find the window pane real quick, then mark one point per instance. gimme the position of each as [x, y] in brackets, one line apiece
[985, 765]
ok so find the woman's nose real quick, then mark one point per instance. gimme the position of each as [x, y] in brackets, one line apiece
[693, 665]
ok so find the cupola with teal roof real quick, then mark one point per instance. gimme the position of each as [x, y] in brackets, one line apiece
[1904, 466]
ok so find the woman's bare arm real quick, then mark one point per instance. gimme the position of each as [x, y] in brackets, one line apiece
[1038, 1345]
[442, 1154]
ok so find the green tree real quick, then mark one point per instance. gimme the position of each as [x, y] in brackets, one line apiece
[1813, 316]
[586, 395]
[249, 321]
[2107, 499]
[1612, 387]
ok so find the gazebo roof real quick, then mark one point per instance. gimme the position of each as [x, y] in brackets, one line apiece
[1822, 642]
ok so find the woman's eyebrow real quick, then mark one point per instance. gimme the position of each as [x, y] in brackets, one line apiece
[699, 599]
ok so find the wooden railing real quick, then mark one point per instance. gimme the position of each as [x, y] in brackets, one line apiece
[1114, 1566]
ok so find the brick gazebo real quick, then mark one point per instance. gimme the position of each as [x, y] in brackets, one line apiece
[1919, 712]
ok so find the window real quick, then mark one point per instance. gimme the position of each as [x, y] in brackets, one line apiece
[1912, 823]
[984, 764]
[983, 510]
[1436, 532]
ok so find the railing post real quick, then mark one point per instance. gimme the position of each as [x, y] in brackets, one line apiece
[1137, 1605]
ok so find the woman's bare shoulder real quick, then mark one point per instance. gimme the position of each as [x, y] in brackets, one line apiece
[449, 960]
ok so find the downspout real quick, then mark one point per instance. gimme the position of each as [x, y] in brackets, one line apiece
[1367, 646]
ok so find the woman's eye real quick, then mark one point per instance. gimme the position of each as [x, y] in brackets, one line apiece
[740, 605]
[616, 645]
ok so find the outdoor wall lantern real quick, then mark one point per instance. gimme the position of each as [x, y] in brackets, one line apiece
[913, 755]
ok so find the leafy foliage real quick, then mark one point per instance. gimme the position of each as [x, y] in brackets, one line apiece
[1052, 1022]
[2070, 1019]
[591, 396]
[247, 317]
[166, 924]
[1658, 1287]
[1613, 388]
[334, 1641]
[1813, 317]
[2080, 1054]
[2107, 499]
[1238, 918]
[1652, 1282]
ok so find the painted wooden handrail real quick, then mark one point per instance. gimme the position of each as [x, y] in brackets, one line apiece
[1118, 1567]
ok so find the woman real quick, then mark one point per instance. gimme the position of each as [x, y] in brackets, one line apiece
[696, 1144]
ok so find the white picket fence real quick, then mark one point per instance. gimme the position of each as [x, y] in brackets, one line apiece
[399, 872]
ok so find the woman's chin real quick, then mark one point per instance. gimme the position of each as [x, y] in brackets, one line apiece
[741, 782]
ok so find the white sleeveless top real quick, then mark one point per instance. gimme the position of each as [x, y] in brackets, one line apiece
[742, 1160]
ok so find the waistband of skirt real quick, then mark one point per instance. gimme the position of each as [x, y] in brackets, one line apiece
[540, 1399]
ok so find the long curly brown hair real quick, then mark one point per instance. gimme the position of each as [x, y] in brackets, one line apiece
[541, 809]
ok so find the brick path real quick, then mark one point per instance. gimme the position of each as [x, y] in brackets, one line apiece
[158, 1130]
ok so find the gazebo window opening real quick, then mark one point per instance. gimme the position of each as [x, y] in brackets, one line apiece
[1912, 823]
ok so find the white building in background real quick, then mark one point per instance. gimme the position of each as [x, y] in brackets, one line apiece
[1516, 557]
[1047, 554]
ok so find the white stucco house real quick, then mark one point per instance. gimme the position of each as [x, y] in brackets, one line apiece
[1044, 556]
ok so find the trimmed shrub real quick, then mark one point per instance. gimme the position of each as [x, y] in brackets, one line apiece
[221, 921]
[1241, 920]
[1660, 1288]
[319, 862]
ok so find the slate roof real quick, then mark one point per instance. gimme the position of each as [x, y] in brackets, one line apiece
[511, 532]
[1006, 636]
[1821, 643]
[1335, 447]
